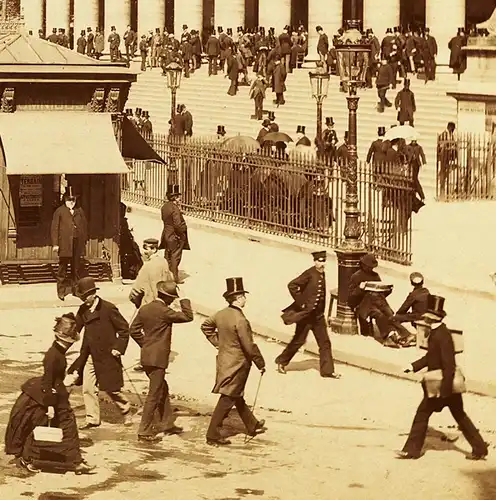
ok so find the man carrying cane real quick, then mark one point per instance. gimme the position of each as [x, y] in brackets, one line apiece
[230, 333]
[152, 330]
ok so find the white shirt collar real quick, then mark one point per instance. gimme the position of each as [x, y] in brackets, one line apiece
[95, 304]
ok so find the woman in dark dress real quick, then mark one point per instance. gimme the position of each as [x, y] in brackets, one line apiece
[45, 401]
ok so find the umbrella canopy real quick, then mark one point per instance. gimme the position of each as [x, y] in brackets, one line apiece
[241, 142]
[277, 137]
[401, 132]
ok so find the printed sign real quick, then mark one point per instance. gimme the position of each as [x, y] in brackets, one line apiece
[31, 191]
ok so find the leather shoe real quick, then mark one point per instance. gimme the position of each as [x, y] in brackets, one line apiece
[174, 430]
[218, 442]
[88, 426]
[259, 429]
[83, 468]
[332, 375]
[138, 368]
[281, 369]
[404, 455]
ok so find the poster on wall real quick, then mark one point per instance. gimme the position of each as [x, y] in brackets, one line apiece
[31, 191]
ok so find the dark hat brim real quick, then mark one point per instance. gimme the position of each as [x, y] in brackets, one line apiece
[87, 292]
[173, 295]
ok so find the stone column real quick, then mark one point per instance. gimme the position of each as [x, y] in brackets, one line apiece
[57, 15]
[151, 15]
[189, 12]
[32, 10]
[444, 19]
[381, 18]
[118, 14]
[85, 15]
[229, 14]
[329, 15]
[274, 14]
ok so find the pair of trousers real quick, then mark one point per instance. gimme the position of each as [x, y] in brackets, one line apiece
[143, 61]
[430, 69]
[224, 406]
[410, 122]
[280, 98]
[212, 65]
[233, 89]
[157, 411]
[317, 324]
[173, 257]
[114, 54]
[259, 106]
[90, 395]
[66, 286]
[383, 100]
[427, 407]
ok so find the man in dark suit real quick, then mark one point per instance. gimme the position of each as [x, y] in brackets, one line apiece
[430, 56]
[303, 140]
[90, 41]
[212, 49]
[440, 356]
[230, 333]
[187, 118]
[129, 42]
[114, 41]
[175, 233]
[385, 79]
[53, 38]
[322, 45]
[81, 43]
[330, 139]
[152, 330]
[376, 154]
[263, 131]
[405, 104]
[307, 311]
[69, 234]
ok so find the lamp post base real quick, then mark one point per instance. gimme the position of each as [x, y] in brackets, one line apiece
[345, 321]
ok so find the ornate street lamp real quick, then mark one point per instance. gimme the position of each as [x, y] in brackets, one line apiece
[352, 61]
[173, 72]
[319, 80]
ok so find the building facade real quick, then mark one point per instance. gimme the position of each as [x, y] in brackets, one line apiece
[443, 17]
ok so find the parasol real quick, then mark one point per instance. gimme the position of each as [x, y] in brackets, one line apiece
[241, 142]
[277, 137]
[401, 132]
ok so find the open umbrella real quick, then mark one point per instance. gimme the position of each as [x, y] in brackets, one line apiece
[277, 137]
[401, 132]
[241, 142]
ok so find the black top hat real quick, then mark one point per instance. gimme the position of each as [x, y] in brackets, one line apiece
[406, 81]
[54, 30]
[83, 32]
[435, 306]
[157, 30]
[138, 111]
[287, 27]
[271, 115]
[369, 260]
[168, 288]
[234, 286]
[427, 30]
[151, 242]
[220, 29]
[381, 131]
[320, 256]
[69, 193]
[229, 31]
[300, 129]
[416, 279]
[112, 28]
[329, 120]
[396, 29]
[173, 190]
[221, 130]
[178, 108]
[88, 29]
[389, 30]
[85, 287]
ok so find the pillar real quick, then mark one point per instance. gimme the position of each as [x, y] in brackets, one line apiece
[380, 19]
[85, 15]
[329, 15]
[151, 15]
[274, 14]
[32, 10]
[229, 14]
[189, 12]
[443, 20]
[57, 15]
[118, 14]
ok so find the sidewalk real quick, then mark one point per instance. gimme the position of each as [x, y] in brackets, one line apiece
[268, 263]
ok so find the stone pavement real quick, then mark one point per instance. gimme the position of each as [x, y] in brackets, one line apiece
[267, 264]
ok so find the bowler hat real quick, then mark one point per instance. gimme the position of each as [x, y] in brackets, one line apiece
[234, 286]
[435, 307]
[369, 260]
[271, 115]
[329, 120]
[320, 255]
[300, 129]
[85, 287]
[173, 190]
[318, 28]
[416, 278]
[381, 131]
[151, 242]
[221, 130]
[168, 288]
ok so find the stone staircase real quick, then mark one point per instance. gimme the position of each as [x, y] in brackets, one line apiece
[206, 98]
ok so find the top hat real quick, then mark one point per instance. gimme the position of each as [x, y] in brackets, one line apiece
[146, 114]
[381, 131]
[239, 29]
[173, 190]
[329, 120]
[300, 129]
[396, 29]
[220, 29]
[427, 30]
[406, 81]
[157, 30]
[221, 130]
[66, 328]
[88, 29]
[389, 30]
[83, 32]
[435, 307]
[54, 30]
[85, 287]
[138, 111]
[287, 27]
[271, 115]
[369, 260]
[265, 123]
[168, 288]
[320, 256]
[185, 26]
[229, 31]
[69, 193]
[234, 286]
[112, 28]
[416, 278]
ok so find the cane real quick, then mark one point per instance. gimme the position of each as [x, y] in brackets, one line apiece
[246, 440]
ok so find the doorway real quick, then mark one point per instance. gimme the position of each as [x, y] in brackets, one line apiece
[299, 13]
[251, 13]
[349, 6]
[412, 14]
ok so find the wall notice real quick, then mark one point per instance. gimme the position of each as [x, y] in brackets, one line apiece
[31, 191]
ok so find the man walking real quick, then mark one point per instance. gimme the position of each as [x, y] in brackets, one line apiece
[307, 311]
[69, 233]
[405, 104]
[114, 41]
[106, 335]
[230, 333]
[175, 233]
[152, 330]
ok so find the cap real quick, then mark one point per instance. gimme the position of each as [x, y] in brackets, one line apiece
[320, 256]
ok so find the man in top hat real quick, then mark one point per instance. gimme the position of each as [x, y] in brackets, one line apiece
[81, 43]
[185, 35]
[458, 58]
[90, 42]
[114, 41]
[230, 333]
[143, 48]
[274, 127]
[342, 152]
[130, 42]
[385, 79]
[405, 104]
[307, 312]
[146, 125]
[376, 154]
[303, 140]
[257, 93]
[212, 49]
[279, 75]
[152, 330]
[53, 38]
[175, 233]
[69, 234]
[440, 357]
[330, 139]
[285, 48]
[322, 45]
[430, 56]
[225, 43]
[106, 336]
[221, 131]
[187, 119]
[99, 43]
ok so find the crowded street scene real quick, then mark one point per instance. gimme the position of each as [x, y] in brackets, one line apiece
[251, 261]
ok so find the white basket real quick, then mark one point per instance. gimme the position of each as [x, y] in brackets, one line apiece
[47, 434]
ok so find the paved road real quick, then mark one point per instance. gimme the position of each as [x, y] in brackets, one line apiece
[326, 438]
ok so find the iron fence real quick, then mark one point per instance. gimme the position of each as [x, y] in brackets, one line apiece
[297, 195]
[466, 167]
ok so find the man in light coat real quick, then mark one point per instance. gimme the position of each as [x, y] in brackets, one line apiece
[230, 333]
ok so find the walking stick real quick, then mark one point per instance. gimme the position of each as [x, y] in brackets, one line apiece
[246, 440]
